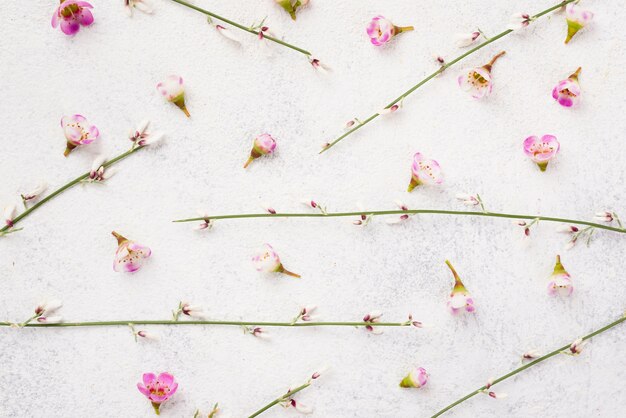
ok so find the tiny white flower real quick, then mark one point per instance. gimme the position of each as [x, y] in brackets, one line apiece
[399, 219]
[147, 335]
[227, 33]
[604, 216]
[468, 199]
[389, 110]
[193, 311]
[9, 214]
[207, 223]
[48, 307]
[466, 39]
[39, 189]
[519, 21]
[317, 64]
[49, 319]
[140, 5]
[267, 208]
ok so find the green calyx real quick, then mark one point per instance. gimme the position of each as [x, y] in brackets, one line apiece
[458, 284]
[407, 382]
[558, 267]
[572, 28]
[290, 7]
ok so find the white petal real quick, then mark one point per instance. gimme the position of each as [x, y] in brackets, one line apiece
[97, 162]
[10, 211]
[226, 33]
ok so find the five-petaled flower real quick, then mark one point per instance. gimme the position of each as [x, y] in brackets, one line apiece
[415, 379]
[71, 14]
[262, 145]
[477, 81]
[77, 132]
[157, 389]
[567, 92]
[173, 89]
[267, 260]
[560, 280]
[424, 171]
[460, 299]
[577, 18]
[541, 150]
[381, 30]
[130, 255]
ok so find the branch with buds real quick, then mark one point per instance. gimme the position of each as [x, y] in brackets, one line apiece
[442, 68]
[287, 399]
[571, 349]
[97, 173]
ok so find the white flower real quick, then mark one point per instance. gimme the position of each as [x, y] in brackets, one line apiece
[147, 335]
[193, 311]
[605, 216]
[389, 110]
[401, 218]
[49, 319]
[48, 307]
[466, 39]
[206, 223]
[568, 229]
[576, 347]
[372, 318]
[98, 172]
[531, 354]
[519, 21]
[468, 199]
[303, 409]
[140, 5]
[39, 189]
[227, 33]
[141, 137]
[306, 313]
[9, 214]
[317, 64]
[267, 208]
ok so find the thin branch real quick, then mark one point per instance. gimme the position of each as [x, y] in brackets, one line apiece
[227, 323]
[283, 398]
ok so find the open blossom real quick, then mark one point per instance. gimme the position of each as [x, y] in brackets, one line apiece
[466, 39]
[541, 151]
[267, 260]
[130, 255]
[399, 219]
[519, 21]
[140, 5]
[173, 89]
[460, 299]
[415, 379]
[291, 6]
[477, 81]
[34, 193]
[98, 171]
[577, 18]
[77, 132]
[262, 145]
[71, 15]
[157, 389]
[424, 171]
[140, 136]
[567, 92]
[560, 280]
[381, 30]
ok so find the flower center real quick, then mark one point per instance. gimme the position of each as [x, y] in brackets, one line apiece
[70, 10]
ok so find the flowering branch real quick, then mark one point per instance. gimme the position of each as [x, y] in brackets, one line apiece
[252, 30]
[406, 212]
[287, 400]
[87, 177]
[571, 349]
[441, 69]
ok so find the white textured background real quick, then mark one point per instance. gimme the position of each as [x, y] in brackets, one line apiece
[108, 73]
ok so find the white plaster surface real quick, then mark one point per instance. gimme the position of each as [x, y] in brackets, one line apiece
[108, 73]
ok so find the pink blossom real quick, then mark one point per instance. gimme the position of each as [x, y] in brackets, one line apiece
[424, 171]
[173, 89]
[77, 132]
[560, 280]
[567, 92]
[381, 30]
[267, 260]
[130, 255]
[577, 18]
[72, 14]
[460, 299]
[263, 144]
[157, 389]
[541, 151]
[477, 81]
[416, 378]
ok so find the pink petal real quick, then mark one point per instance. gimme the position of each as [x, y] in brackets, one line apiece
[55, 18]
[70, 26]
[94, 133]
[166, 379]
[143, 389]
[148, 378]
[85, 17]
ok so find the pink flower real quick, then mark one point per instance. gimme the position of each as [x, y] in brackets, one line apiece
[173, 89]
[72, 14]
[567, 92]
[415, 379]
[267, 260]
[460, 298]
[541, 151]
[560, 280]
[424, 171]
[157, 389]
[129, 256]
[262, 145]
[577, 18]
[381, 30]
[77, 132]
[477, 81]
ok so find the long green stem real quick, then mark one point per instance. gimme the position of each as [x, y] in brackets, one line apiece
[239, 26]
[528, 365]
[409, 212]
[231, 323]
[63, 188]
[361, 124]
[281, 399]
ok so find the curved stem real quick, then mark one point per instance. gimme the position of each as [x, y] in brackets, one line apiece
[239, 26]
[63, 188]
[281, 399]
[439, 71]
[409, 212]
[228, 323]
[528, 365]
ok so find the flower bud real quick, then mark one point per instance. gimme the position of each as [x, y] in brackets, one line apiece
[267, 260]
[263, 144]
[173, 89]
[577, 18]
[460, 299]
[415, 379]
[380, 30]
[466, 39]
[560, 280]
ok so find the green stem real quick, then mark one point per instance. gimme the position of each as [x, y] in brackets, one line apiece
[233, 323]
[409, 212]
[69, 185]
[238, 26]
[281, 399]
[436, 73]
[528, 365]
